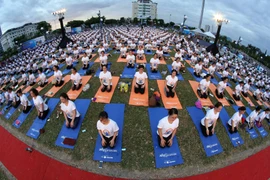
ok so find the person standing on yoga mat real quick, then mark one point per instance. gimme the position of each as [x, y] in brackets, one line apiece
[103, 60]
[42, 78]
[203, 87]
[250, 120]
[261, 117]
[235, 120]
[13, 97]
[140, 78]
[107, 129]
[198, 69]
[70, 112]
[221, 87]
[167, 127]
[85, 61]
[238, 90]
[208, 123]
[105, 78]
[26, 104]
[170, 84]
[154, 62]
[58, 76]
[130, 59]
[76, 79]
[42, 108]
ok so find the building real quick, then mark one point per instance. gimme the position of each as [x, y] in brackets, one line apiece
[143, 9]
[1, 49]
[7, 39]
[207, 28]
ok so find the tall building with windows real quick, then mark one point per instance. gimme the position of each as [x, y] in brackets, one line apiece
[143, 9]
[1, 49]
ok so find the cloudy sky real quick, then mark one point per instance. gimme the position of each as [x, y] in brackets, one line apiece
[248, 18]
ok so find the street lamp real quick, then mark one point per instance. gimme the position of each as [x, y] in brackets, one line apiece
[213, 47]
[183, 24]
[65, 40]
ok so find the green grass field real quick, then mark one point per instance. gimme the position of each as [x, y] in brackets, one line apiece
[137, 134]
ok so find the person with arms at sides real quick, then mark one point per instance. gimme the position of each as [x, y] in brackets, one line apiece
[261, 117]
[178, 54]
[203, 87]
[85, 61]
[170, 84]
[221, 87]
[178, 66]
[70, 112]
[58, 76]
[103, 60]
[118, 46]
[235, 75]
[123, 51]
[26, 104]
[148, 47]
[31, 78]
[159, 53]
[24, 77]
[69, 62]
[54, 62]
[42, 108]
[212, 69]
[140, 53]
[130, 59]
[208, 123]
[236, 119]
[257, 94]
[42, 78]
[14, 81]
[225, 73]
[13, 97]
[165, 49]
[63, 57]
[198, 69]
[105, 80]
[101, 49]
[133, 46]
[154, 62]
[167, 127]
[89, 52]
[238, 90]
[266, 95]
[246, 88]
[76, 79]
[250, 120]
[140, 78]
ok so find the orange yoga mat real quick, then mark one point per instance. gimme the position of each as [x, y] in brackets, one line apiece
[168, 102]
[204, 102]
[251, 94]
[54, 89]
[230, 91]
[122, 59]
[141, 61]
[74, 94]
[138, 99]
[105, 97]
[213, 88]
[49, 81]
[27, 89]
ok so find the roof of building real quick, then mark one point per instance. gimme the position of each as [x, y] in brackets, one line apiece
[27, 24]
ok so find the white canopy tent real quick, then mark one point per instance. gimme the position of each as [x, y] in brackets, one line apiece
[197, 31]
[209, 34]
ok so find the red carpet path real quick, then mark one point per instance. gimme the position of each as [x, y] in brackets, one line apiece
[35, 166]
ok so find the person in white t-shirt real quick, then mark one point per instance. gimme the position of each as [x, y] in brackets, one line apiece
[235, 75]
[198, 69]
[13, 97]
[208, 123]
[246, 89]
[42, 78]
[261, 117]
[69, 62]
[140, 79]
[24, 77]
[85, 61]
[26, 104]
[159, 53]
[236, 119]
[203, 87]
[250, 120]
[107, 129]
[154, 62]
[238, 90]
[171, 83]
[178, 66]
[212, 69]
[70, 112]
[167, 127]
[41, 106]
[221, 87]
[58, 77]
[31, 78]
[76, 79]
[89, 52]
[105, 78]
[103, 60]
[100, 50]
[140, 53]
[130, 59]
[258, 94]
[123, 51]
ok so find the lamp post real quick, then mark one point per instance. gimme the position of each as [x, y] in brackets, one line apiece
[213, 47]
[65, 40]
[183, 24]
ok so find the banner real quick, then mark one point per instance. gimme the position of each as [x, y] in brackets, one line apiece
[68, 29]
[76, 30]
[30, 44]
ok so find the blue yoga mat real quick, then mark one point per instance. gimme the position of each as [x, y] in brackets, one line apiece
[116, 52]
[214, 81]
[261, 130]
[152, 75]
[253, 134]
[168, 156]
[166, 55]
[82, 71]
[38, 123]
[98, 70]
[22, 117]
[198, 79]
[4, 110]
[129, 73]
[116, 113]
[219, 76]
[82, 106]
[235, 138]
[10, 112]
[148, 53]
[210, 144]
[66, 71]
[180, 77]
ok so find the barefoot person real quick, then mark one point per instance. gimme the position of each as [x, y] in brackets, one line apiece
[221, 87]
[203, 87]
[250, 120]
[140, 78]
[58, 76]
[235, 120]
[42, 108]
[105, 78]
[76, 79]
[170, 84]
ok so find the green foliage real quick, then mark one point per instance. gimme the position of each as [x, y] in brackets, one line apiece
[44, 26]
[135, 21]
[75, 23]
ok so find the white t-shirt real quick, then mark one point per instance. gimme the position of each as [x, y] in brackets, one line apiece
[140, 78]
[176, 65]
[246, 88]
[69, 61]
[105, 77]
[222, 86]
[68, 109]
[13, 96]
[238, 89]
[85, 60]
[76, 78]
[140, 52]
[225, 73]
[236, 118]
[204, 85]
[38, 101]
[171, 81]
[2, 99]
[109, 129]
[103, 59]
[252, 116]
[130, 59]
[24, 100]
[198, 68]
[154, 62]
[211, 117]
[261, 116]
[167, 128]
[42, 77]
[212, 69]
[32, 78]
[58, 75]
[54, 63]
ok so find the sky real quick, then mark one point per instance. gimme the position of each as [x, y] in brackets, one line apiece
[248, 18]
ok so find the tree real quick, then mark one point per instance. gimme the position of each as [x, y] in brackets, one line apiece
[111, 21]
[75, 23]
[92, 20]
[135, 20]
[172, 24]
[45, 25]
[160, 22]
[20, 39]
[122, 20]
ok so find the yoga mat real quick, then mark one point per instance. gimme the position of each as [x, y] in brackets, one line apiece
[205, 102]
[151, 75]
[168, 156]
[82, 71]
[98, 70]
[116, 113]
[141, 61]
[10, 112]
[210, 144]
[139, 99]
[180, 77]
[82, 107]
[122, 59]
[148, 53]
[54, 89]
[128, 73]
[168, 102]
[213, 88]
[235, 138]
[198, 79]
[230, 92]
[22, 117]
[75, 94]
[66, 71]
[39, 88]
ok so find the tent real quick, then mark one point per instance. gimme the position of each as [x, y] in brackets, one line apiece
[209, 34]
[197, 31]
